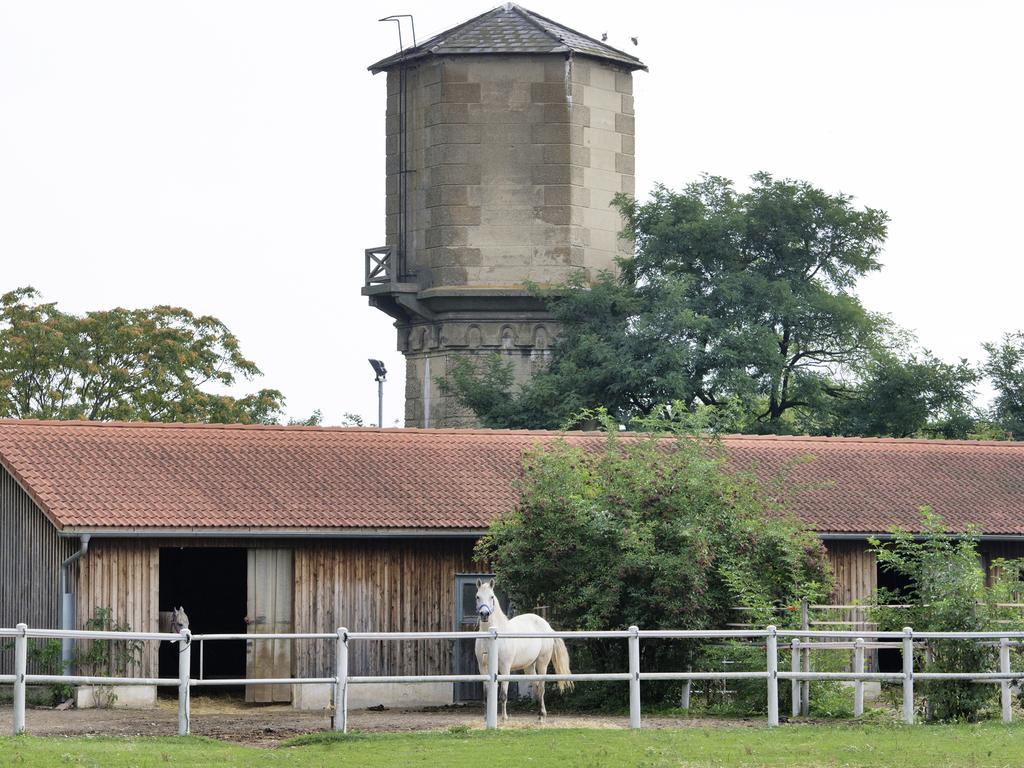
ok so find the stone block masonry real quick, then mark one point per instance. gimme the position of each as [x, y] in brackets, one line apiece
[540, 133]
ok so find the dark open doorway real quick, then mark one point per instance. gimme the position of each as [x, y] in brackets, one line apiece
[209, 583]
[891, 659]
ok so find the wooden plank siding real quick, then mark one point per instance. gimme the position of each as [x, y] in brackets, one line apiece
[122, 575]
[380, 586]
[30, 556]
[855, 569]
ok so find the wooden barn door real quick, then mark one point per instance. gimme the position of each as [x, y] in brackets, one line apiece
[269, 608]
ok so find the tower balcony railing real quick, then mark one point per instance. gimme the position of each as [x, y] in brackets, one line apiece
[381, 265]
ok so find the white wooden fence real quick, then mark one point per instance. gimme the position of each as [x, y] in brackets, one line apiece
[802, 642]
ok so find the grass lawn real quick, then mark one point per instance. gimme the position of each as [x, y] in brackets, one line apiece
[988, 744]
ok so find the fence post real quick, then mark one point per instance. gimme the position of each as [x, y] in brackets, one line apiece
[805, 685]
[341, 681]
[1004, 685]
[794, 683]
[184, 672]
[491, 717]
[634, 677]
[684, 702]
[858, 685]
[908, 675]
[773, 677]
[20, 668]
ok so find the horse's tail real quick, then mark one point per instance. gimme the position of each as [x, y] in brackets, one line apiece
[560, 657]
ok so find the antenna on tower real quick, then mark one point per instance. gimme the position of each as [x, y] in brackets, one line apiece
[403, 148]
[397, 18]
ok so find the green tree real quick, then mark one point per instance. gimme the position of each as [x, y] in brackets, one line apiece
[652, 532]
[315, 419]
[599, 360]
[731, 296]
[1004, 367]
[906, 395]
[127, 364]
[767, 275]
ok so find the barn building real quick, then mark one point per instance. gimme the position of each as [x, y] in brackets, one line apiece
[306, 529]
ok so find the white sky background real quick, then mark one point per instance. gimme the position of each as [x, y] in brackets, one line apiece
[229, 156]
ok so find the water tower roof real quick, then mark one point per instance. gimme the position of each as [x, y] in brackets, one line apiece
[510, 29]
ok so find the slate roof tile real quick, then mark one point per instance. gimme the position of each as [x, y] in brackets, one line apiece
[510, 29]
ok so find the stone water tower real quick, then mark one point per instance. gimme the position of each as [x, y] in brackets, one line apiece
[507, 137]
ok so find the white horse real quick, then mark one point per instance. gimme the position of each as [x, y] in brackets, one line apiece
[179, 620]
[529, 654]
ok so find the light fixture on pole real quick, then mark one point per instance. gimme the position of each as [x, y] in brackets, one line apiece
[382, 373]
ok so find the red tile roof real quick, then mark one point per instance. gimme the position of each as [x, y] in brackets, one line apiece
[88, 475]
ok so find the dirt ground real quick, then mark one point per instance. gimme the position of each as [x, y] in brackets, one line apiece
[233, 720]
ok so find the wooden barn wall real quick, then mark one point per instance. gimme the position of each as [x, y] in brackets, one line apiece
[855, 570]
[30, 556]
[124, 576]
[373, 584]
[378, 585]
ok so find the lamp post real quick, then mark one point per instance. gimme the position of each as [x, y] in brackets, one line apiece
[382, 372]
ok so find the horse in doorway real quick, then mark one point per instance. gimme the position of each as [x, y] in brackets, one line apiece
[530, 655]
[179, 620]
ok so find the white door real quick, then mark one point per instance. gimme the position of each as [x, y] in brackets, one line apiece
[269, 610]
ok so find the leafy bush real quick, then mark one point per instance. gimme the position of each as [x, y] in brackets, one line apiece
[655, 532]
[48, 656]
[118, 658]
[732, 697]
[828, 698]
[947, 593]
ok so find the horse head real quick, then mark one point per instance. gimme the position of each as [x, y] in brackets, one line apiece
[486, 601]
[179, 620]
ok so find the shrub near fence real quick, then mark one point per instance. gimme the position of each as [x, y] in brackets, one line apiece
[947, 589]
[774, 640]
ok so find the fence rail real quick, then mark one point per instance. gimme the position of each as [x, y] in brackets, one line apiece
[800, 646]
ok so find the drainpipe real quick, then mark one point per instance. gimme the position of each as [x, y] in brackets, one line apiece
[67, 605]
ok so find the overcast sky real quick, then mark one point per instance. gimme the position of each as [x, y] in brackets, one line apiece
[229, 156]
